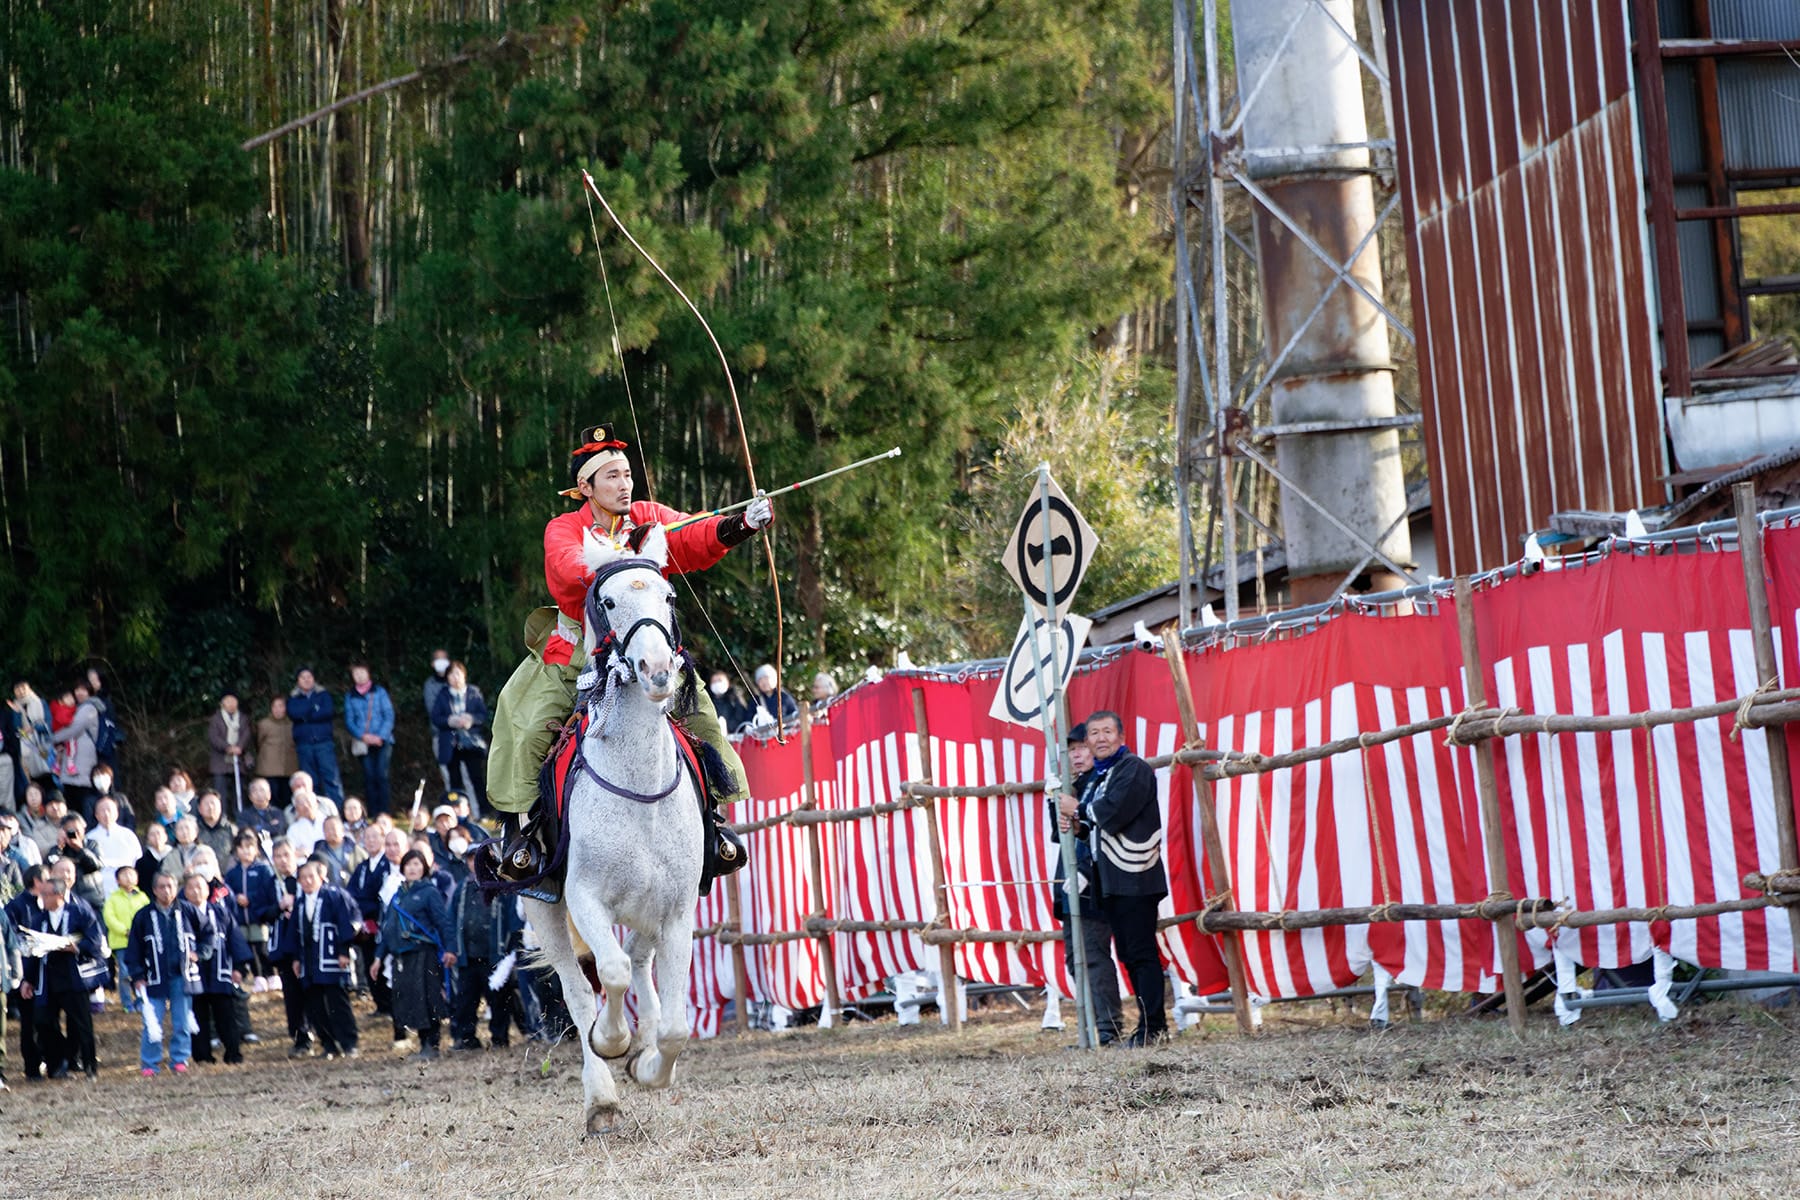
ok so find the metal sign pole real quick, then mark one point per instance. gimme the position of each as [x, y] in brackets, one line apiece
[1056, 755]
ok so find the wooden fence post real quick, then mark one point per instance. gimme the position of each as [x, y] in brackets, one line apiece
[1488, 790]
[1231, 943]
[739, 971]
[948, 992]
[815, 868]
[1767, 671]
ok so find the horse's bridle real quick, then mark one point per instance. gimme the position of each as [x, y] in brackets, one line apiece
[606, 639]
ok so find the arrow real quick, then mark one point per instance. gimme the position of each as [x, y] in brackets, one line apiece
[785, 488]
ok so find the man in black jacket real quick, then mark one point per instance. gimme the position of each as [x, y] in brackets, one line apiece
[53, 983]
[1118, 813]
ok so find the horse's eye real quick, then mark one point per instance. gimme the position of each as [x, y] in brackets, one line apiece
[608, 601]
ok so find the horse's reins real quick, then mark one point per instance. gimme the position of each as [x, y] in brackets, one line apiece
[615, 647]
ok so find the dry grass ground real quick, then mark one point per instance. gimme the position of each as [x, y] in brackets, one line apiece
[1317, 1106]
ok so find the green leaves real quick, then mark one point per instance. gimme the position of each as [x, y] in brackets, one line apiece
[905, 222]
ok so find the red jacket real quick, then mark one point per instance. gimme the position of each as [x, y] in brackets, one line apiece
[693, 547]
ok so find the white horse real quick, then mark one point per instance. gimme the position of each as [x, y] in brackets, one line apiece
[634, 838]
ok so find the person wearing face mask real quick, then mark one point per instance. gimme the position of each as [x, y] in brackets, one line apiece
[733, 709]
[103, 788]
[541, 693]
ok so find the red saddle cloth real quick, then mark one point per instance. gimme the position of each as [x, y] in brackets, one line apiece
[562, 761]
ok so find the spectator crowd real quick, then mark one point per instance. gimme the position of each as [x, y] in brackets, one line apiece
[266, 877]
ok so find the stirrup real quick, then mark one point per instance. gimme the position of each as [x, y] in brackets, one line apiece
[724, 852]
[519, 853]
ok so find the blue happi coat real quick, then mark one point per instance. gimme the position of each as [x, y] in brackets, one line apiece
[257, 881]
[315, 945]
[156, 953]
[219, 941]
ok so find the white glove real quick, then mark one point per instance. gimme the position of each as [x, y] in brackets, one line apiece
[760, 513]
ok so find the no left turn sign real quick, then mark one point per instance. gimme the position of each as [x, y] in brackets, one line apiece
[1021, 696]
[1068, 544]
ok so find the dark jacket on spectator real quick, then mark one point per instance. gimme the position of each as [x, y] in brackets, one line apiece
[257, 881]
[220, 837]
[365, 886]
[12, 963]
[311, 714]
[55, 972]
[779, 707]
[268, 820]
[447, 738]
[218, 740]
[1084, 862]
[156, 953]
[486, 929]
[219, 941]
[337, 862]
[316, 947]
[416, 919]
[1119, 808]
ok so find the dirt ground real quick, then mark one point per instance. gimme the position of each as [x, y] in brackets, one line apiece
[1319, 1105]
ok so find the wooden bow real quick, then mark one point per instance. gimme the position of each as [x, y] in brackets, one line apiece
[768, 540]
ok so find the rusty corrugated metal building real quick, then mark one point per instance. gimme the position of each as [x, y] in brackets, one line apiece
[1604, 314]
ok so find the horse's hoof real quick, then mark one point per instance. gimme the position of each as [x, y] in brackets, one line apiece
[602, 1119]
[610, 1050]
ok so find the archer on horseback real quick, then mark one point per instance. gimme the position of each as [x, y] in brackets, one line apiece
[539, 697]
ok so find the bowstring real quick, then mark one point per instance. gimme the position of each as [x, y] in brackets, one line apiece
[644, 450]
[619, 350]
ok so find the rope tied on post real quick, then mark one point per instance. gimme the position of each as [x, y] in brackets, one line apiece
[1743, 712]
[1453, 737]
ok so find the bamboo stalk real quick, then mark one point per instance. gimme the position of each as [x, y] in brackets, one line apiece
[1776, 881]
[1231, 947]
[1762, 636]
[815, 868]
[1499, 879]
[948, 991]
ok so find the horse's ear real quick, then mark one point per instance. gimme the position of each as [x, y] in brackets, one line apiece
[656, 546]
[596, 553]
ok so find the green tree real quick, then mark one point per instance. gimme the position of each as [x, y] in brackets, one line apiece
[1103, 427]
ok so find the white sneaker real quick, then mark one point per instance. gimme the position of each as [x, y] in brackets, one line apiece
[259, 984]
